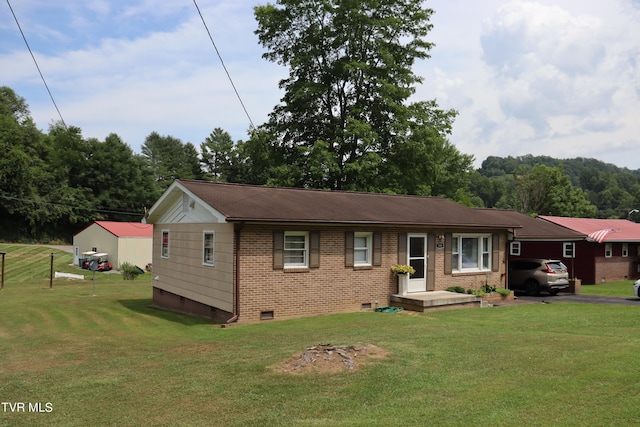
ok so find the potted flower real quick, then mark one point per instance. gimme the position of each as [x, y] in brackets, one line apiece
[403, 272]
[402, 269]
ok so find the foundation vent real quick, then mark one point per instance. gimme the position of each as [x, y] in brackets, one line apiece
[266, 315]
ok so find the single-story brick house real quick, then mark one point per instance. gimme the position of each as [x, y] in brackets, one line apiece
[610, 251]
[243, 253]
[130, 242]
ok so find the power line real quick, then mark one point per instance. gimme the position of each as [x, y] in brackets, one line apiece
[41, 202]
[223, 66]
[37, 66]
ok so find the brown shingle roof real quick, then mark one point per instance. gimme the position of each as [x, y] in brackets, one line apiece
[534, 228]
[239, 202]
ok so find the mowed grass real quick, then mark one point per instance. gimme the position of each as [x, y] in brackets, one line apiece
[623, 288]
[111, 359]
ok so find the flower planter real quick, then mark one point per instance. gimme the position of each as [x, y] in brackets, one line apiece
[496, 297]
[403, 283]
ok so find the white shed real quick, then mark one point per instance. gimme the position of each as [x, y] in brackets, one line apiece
[130, 242]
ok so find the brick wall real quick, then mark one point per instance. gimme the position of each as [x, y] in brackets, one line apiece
[331, 288]
[614, 268]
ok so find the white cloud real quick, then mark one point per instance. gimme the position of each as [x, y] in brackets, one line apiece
[546, 63]
[557, 76]
[544, 77]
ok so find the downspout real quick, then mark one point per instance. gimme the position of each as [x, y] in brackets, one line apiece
[236, 277]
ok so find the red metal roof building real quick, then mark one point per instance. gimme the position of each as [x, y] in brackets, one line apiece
[127, 229]
[610, 251]
[130, 242]
[602, 230]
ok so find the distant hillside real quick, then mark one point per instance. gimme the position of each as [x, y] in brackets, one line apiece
[499, 166]
[613, 190]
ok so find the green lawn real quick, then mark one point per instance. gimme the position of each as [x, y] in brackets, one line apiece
[110, 359]
[622, 288]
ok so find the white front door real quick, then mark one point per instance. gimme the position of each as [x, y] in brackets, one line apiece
[417, 254]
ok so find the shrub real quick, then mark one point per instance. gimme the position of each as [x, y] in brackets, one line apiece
[129, 271]
[458, 289]
[488, 289]
[503, 291]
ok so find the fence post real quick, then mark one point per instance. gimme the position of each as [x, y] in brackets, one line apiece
[2, 280]
[51, 273]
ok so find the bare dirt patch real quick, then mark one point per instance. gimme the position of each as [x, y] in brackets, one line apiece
[327, 358]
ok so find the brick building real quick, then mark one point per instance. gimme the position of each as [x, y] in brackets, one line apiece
[242, 253]
[610, 251]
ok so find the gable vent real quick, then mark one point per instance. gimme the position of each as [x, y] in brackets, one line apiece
[187, 203]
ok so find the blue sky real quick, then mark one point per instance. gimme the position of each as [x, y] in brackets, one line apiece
[555, 78]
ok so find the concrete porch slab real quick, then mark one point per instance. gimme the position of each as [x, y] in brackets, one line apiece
[434, 300]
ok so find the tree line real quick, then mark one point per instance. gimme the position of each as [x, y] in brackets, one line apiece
[56, 182]
[579, 187]
[345, 122]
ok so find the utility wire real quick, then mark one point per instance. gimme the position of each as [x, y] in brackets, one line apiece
[42, 202]
[223, 66]
[38, 67]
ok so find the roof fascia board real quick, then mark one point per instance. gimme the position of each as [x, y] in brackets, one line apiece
[173, 194]
[320, 223]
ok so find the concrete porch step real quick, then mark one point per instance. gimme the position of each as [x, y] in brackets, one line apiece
[434, 300]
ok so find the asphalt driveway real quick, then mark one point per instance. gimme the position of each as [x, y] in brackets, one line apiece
[581, 298]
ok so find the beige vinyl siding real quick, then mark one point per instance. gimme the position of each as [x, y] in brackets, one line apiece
[135, 250]
[97, 237]
[183, 272]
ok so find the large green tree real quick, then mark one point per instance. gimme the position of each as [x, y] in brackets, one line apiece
[170, 158]
[22, 169]
[548, 190]
[344, 121]
[218, 156]
[120, 182]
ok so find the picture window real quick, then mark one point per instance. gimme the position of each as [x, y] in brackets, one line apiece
[471, 253]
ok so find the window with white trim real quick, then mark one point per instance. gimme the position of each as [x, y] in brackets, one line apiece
[514, 248]
[625, 249]
[362, 243]
[296, 249]
[471, 252]
[608, 250]
[208, 247]
[164, 250]
[569, 250]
